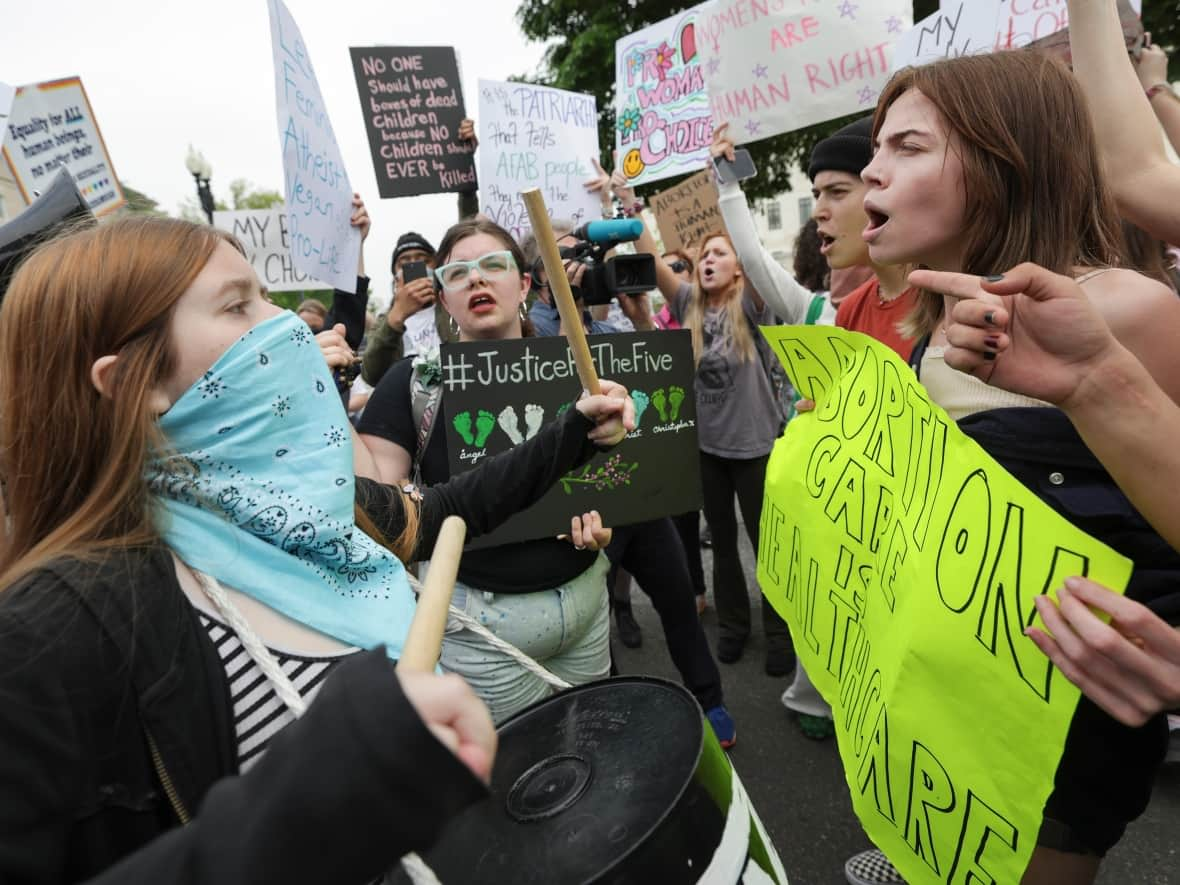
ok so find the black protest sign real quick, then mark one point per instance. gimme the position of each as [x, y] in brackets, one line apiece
[497, 394]
[413, 105]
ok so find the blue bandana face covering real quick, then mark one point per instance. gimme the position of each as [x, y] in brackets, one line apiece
[258, 490]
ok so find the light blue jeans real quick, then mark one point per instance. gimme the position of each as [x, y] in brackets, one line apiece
[566, 630]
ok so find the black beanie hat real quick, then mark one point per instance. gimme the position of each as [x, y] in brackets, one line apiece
[409, 241]
[847, 150]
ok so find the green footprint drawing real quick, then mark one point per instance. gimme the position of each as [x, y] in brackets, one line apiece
[675, 398]
[641, 401]
[462, 424]
[660, 401]
[484, 425]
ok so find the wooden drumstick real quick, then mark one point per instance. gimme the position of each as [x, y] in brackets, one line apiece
[424, 640]
[559, 285]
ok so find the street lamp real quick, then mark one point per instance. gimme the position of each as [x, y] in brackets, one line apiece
[201, 171]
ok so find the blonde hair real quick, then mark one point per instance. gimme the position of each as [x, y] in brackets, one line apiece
[734, 327]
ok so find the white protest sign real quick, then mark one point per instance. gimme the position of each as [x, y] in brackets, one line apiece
[264, 235]
[774, 67]
[319, 197]
[965, 27]
[662, 122]
[51, 126]
[7, 94]
[536, 136]
[421, 332]
[1021, 22]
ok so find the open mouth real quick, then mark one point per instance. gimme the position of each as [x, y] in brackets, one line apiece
[707, 273]
[826, 243]
[481, 302]
[877, 220]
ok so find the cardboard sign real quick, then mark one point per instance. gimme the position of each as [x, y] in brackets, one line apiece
[264, 234]
[496, 394]
[1025, 21]
[51, 126]
[688, 211]
[412, 103]
[965, 27]
[905, 561]
[536, 136]
[773, 68]
[663, 126]
[319, 197]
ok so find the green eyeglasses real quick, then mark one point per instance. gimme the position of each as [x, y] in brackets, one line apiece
[454, 275]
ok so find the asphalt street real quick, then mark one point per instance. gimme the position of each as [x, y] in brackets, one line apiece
[797, 785]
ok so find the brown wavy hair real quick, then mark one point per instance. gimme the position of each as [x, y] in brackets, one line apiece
[1031, 168]
[72, 460]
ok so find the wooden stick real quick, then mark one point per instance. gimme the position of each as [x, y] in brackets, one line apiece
[559, 285]
[424, 640]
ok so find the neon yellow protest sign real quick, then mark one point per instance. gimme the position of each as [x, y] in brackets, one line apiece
[905, 561]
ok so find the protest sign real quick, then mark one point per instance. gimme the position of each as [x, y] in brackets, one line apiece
[264, 234]
[421, 335]
[7, 94]
[905, 561]
[535, 136]
[319, 197]
[959, 28]
[51, 126]
[778, 66]
[688, 211]
[663, 126]
[1024, 21]
[496, 394]
[413, 104]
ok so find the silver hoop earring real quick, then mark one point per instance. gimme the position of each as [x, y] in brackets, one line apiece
[453, 327]
[524, 314]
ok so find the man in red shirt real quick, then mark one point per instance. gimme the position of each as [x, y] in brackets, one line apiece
[880, 304]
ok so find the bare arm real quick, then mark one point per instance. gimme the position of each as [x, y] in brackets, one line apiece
[392, 463]
[666, 281]
[1152, 68]
[1145, 183]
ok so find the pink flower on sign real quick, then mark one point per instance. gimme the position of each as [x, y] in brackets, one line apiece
[664, 56]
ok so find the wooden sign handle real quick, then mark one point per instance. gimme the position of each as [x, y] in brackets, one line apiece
[559, 285]
[424, 640]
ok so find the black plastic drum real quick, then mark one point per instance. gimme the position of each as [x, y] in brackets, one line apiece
[619, 781]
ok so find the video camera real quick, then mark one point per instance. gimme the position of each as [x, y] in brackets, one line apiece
[606, 277]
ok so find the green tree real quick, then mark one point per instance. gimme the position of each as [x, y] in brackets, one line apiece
[582, 52]
[243, 195]
[139, 203]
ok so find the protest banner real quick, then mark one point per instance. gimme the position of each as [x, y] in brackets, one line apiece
[773, 67]
[264, 234]
[51, 126]
[412, 103]
[905, 561]
[319, 197]
[496, 394]
[663, 126]
[688, 211]
[1022, 22]
[536, 136]
[956, 29]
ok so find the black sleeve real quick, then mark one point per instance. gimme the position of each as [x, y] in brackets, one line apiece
[340, 796]
[390, 412]
[349, 309]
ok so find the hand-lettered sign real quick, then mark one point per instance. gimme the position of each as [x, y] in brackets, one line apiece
[776, 67]
[905, 561]
[50, 126]
[324, 244]
[1024, 21]
[264, 235]
[413, 104]
[965, 27]
[497, 394]
[536, 136]
[688, 211]
[663, 126]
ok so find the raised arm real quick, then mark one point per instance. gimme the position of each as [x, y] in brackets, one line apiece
[1145, 183]
[666, 281]
[1152, 68]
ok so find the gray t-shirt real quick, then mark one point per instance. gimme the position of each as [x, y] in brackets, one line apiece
[738, 414]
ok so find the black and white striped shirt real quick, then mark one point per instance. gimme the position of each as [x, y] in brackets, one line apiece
[259, 712]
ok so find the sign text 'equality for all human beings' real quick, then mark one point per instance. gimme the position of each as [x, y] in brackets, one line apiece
[906, 562]
[319, 196]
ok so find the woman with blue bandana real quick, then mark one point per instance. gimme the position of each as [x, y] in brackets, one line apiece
[186, 565]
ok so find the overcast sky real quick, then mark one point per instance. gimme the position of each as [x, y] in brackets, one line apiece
[162, 74]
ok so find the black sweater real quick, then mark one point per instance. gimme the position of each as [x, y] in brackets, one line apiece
[116, 723]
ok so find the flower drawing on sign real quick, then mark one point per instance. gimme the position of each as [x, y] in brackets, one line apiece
[611, 475]
[629, 123]
[664, 56]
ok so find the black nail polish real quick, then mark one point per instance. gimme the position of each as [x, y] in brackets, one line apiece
[989, 356]
[992, 341]
[990, 318]
[994, 277]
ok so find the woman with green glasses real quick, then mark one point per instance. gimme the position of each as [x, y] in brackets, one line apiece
[546, 597]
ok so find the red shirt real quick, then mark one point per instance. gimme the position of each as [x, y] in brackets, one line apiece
[864, 311]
